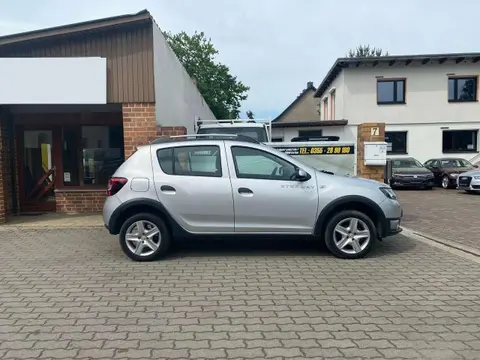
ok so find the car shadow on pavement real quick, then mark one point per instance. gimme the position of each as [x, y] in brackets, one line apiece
[283, 247]
[246, 247]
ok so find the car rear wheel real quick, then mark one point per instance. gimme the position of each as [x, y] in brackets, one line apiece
[144, 237]
[445, 182]
[350, 234]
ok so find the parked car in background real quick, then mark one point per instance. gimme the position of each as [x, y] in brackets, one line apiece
[407, 172]
[469, 181]
[446, 170]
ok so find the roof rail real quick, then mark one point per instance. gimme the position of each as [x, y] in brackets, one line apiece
[236, 137]
[229, 121]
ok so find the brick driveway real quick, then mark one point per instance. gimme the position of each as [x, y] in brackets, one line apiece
[448, 214]
[72, 294]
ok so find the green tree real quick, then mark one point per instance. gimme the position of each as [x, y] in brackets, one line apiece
[366, 51]
[221, 90]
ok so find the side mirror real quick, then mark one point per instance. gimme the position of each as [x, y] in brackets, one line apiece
[301, 175]
[475, 166]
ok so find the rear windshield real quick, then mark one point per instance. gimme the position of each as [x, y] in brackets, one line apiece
[259, 134]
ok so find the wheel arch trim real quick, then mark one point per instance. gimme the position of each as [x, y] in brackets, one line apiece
[339, 203]
[115, 223]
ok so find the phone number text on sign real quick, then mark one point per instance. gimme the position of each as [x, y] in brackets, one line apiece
[318, 150]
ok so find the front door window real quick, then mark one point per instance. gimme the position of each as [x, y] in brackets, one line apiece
[257, 164]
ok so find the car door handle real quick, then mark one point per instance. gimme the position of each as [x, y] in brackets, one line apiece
[245, 191]
[167, 188]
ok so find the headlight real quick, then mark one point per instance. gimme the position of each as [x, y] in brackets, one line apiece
[454, 175]
[389, 193]
[476, 177]
[430, 176]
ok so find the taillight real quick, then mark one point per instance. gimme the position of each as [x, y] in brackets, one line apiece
[115, 184]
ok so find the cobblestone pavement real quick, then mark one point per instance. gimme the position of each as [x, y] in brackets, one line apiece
[72, 294]
[448, 214]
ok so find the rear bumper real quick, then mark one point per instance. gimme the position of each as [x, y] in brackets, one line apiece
[111, 204]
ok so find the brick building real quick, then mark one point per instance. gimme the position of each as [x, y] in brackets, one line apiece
[82, 96]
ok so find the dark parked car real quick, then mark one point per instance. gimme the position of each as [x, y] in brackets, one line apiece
[408, 172]
[446, 170]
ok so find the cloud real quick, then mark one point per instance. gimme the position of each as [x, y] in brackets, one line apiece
[9, 27]
[276, 46]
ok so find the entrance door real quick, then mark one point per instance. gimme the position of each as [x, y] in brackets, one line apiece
[37, 173]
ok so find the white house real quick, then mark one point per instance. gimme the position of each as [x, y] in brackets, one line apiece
[303, 118]
[429, 103]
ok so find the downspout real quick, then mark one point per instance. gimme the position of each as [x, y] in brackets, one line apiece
[13, 156]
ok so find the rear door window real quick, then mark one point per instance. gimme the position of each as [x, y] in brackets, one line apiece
[201, 160]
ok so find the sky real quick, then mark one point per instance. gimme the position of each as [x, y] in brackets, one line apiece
[277, 46]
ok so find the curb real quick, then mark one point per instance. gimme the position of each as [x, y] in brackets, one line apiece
[447, 243]
[48, 227]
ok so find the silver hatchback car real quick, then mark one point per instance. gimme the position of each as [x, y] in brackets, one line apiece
[232, 185]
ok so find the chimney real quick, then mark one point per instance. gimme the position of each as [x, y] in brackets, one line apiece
[309, 84]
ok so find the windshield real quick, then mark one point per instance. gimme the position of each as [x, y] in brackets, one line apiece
[406, 163]
[259, 134]
[453, 163]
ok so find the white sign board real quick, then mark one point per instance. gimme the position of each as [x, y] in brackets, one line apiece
[334, 156]
[53, 80]
[375, 153]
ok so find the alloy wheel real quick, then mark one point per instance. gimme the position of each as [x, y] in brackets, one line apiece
[445, 182]
[351, 235]
[143, 238]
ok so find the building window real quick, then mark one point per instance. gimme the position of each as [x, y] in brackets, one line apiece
[462, 89]
[191, 161]
[455, 141]
[310, 133]
[277, 139]
[390, 92]
[332, 105]
[325, 109]
[396, 142]
[91, 154]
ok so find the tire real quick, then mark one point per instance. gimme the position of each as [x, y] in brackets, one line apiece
[445, 182]
[341, 219]
[153, 248]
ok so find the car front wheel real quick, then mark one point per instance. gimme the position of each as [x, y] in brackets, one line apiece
[350, 234]
[445, 182]
[144, 237]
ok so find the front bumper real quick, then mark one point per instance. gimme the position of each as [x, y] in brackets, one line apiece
[412, 182]
[391, 221]
[469, 183]
[391, 227]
